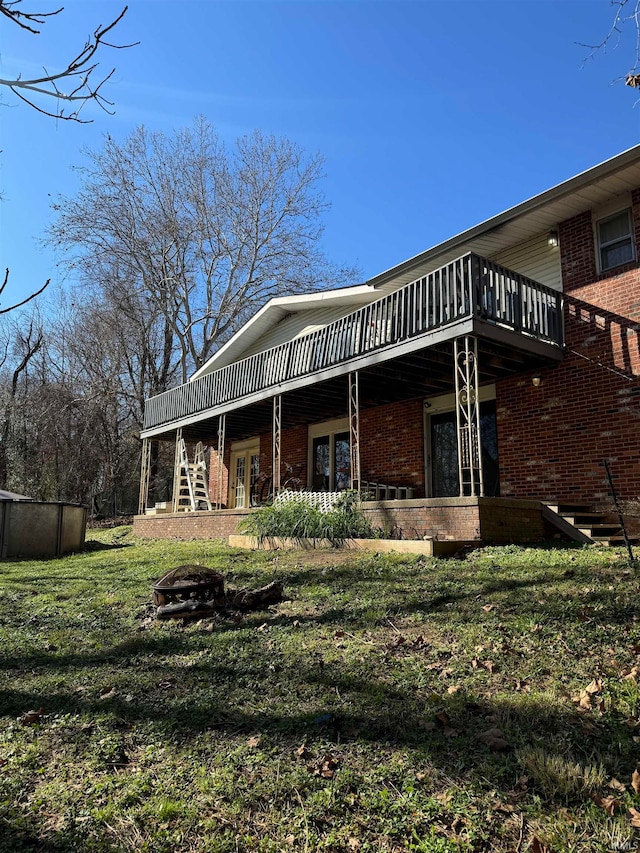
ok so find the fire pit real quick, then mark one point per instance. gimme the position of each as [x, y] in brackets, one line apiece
[188, 583]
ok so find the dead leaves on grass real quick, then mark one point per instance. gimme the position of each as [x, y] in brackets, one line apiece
[324, 766]
[32, 718]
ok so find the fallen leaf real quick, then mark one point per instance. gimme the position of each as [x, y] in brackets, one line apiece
[609, 804]
[427, 725]
[108, 693]
[302, 751]
[494, 739]
[449, 731]
[339, 634]
[326, 766]
[262, 627]
[616, 785]
[455, 688]
[252, 742]
[488, 608]
[634, 817]
[632, 675]
[635, 781]
[490, 666]
[31, 718]
[443, 717]
[354, 844]
[594, 686]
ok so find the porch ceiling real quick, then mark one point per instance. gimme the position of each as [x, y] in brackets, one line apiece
[416, 375]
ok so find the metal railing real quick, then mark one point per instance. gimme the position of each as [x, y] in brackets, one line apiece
[470, 286]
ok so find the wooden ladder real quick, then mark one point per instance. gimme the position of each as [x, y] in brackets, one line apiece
[191, 480]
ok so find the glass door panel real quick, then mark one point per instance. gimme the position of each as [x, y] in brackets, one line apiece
[321, 461]
[444, 456]
[341, 462]
[444, 452]
[241, 472]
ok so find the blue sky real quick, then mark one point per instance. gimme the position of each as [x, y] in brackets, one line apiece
[432, 114]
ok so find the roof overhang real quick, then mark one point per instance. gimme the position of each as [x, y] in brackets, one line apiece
[277, 309]
[585, 191]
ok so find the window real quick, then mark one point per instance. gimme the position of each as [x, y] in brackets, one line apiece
[615, 241]
[329, 456]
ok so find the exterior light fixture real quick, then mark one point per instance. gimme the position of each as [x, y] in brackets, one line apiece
[552, 239]
[535, 381]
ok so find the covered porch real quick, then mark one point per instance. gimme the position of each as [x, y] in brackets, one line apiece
[428, 353]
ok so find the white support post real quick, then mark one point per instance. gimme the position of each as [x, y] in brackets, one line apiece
[468, 416]
[145, 472]
[222, 426]
[176, 470]
[354, 430]
[277, 439]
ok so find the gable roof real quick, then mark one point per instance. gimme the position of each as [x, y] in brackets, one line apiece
[278, 309]
[532, 217]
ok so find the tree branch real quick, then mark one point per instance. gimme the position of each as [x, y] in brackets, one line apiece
[24, 301]
[74, 83]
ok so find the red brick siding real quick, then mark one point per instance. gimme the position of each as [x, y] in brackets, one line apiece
[189, 525]
[552, 439]
[392, 445]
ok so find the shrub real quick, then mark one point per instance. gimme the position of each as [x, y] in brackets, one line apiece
[296, 519]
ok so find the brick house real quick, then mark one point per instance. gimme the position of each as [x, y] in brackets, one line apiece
[471, 392]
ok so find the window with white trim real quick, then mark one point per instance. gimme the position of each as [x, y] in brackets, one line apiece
[616, 244]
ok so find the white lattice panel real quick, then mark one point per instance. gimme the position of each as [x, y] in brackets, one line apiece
[324, 501]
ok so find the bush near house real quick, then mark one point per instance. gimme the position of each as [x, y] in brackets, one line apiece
[391, 704]
[297, 519]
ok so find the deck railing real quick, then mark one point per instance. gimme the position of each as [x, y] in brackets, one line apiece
[470, 286]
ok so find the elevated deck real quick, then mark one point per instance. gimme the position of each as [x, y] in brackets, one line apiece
[469, 296]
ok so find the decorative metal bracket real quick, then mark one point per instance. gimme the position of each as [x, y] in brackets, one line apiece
[277, 439]
[354, 430]
[145, 472]
[222, 425]
[176, 470]
[468, 416]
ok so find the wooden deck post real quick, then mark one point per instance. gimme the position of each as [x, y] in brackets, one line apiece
[145, 471]
[468, 416]
[354, 430]
[277, 438]
[222, 426]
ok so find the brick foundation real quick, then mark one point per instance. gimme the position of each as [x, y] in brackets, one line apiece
[460, 519]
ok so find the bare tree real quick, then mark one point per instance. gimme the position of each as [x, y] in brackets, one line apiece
[77, 83]
[202, 235]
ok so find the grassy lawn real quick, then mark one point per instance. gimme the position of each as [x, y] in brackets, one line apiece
[489, 703]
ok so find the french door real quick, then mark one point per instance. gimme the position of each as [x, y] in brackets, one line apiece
[443, 452]
[244, 471]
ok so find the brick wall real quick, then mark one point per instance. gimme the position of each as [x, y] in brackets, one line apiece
[189, 525]
[552, 438]
[392, 445]
[458, 519]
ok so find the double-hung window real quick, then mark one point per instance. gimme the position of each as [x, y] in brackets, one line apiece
[616, 245]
